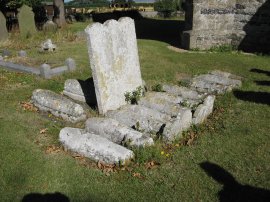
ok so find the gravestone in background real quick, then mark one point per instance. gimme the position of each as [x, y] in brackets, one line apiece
[3, 28]
[114, 59]
[26, 21]
[239, 23]
[59, 13]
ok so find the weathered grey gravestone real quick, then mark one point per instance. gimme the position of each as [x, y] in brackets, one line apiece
[114, 61]
[26, 21]
[3, 28]
[59, 13]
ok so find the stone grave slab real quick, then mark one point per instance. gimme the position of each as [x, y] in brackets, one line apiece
[114, 60]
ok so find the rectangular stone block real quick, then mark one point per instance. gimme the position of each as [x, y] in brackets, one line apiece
[116, 132]
[114, 60]
[94, 146]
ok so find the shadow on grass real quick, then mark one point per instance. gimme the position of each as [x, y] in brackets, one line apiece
[48, 197]
[232, 190]
[168, 31]
[250, 96]
[256, 97]
[260, 71]
[263, 83]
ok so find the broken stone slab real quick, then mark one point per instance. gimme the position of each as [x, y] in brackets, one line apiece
[152, 121]
[174, 129]
[139, 117]
[182, 91]
[94, 146]
[204, 110]
[116, 132]
[226, 75]
[83, 91]
[215, 82]
[58, 105]
[162, 102]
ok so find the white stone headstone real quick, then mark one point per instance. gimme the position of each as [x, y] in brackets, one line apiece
[114, 61]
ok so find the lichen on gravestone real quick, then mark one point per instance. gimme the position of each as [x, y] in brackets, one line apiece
[114, 60]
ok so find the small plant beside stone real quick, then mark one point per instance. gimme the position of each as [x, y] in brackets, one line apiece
[134, 96]
[157, 88]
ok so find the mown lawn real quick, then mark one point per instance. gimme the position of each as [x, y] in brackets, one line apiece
[234, 141]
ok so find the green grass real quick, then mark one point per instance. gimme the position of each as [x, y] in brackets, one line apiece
[236, 137]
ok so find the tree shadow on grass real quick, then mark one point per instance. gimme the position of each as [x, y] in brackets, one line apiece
[48, 197]
[232, 190]
[250, 96]
[257, 97]
[260, 71]
[263, 83]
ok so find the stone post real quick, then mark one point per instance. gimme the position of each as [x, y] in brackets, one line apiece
[45, 70]
[71, 65]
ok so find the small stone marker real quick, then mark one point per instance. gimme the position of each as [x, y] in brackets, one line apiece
[6, 53]
[114, 61]
[3, 27]
[71, 65]
[45, 71]
[26, 21]
[49, 26]
[94, 146]
[22, 53]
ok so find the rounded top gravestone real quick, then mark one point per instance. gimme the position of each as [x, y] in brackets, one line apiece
[3, 30]
[26, 21]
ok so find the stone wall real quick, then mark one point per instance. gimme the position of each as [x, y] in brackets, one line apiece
[241, 23]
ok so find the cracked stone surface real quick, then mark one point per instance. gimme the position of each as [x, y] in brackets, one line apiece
[204, 110]
[216, 82]
[58, 105]
[116, 132]
[157, 113]
[114, 59]
[94, 146]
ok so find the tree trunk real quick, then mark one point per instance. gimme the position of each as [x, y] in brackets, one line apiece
[59, 13]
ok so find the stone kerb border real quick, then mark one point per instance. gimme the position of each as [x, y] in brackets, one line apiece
[44, 71]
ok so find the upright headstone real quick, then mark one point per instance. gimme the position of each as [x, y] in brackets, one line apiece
[26, 21]
[59, 13]
[114, 60]
[3, 28]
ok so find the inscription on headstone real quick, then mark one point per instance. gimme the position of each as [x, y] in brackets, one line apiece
[26, 21]
[114, 60]
[3, 28]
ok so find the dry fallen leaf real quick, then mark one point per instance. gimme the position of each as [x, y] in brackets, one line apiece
[27, 106]
[151, 164]
[52, 149]
[138, 175]
[106, 168]
[191, 139]
[43, 131]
